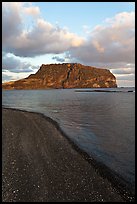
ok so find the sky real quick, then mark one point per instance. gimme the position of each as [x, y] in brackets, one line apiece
[99, 34]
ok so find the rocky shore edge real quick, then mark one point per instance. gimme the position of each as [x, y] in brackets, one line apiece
[110, 181]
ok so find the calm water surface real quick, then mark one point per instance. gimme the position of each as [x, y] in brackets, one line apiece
[101, 123]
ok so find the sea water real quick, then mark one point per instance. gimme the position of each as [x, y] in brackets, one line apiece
[100, 123]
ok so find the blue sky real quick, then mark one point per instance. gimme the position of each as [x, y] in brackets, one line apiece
[75, 15]
[100, 34]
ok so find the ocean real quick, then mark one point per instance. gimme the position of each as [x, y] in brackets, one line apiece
[102, 122]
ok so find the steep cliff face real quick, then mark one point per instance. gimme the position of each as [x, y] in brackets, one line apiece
[65, 75]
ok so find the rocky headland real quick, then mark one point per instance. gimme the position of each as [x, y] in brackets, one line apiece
[66, 75]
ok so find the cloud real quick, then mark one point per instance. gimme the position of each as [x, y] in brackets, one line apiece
[34, 11]
[11, 76]
[11, 21]
[26, 34]
[59, 59]
[123, 71]
[129, 77]
[86, 29]
[6, 77]
[125, 76]
[98, 46]
[13, 68]
[113, 42]
[41, 38]
[13, 64]
[126, 83]
[111, 46]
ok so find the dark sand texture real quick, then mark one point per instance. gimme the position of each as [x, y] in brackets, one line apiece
[40, 165]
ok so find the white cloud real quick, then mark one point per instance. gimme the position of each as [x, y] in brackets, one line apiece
[26, 34]
[123, 71]
[42, 38]
[11, 76]
[129, 77]
[14, 64]
[59, 59]
[98, 47]
[126, 83]
[110, 43]
[34, 11]
[86, 29]
[11, 21]
[111, 46]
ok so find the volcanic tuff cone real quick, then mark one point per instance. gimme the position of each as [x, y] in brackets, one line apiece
[66, 75]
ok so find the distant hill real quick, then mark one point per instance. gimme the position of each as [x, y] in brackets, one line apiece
[66, 75]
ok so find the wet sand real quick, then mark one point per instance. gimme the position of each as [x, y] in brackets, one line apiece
[39, 164]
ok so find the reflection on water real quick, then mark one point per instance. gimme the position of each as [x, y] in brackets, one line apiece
[101, 123]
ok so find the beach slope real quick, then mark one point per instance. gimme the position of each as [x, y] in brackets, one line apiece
[39, 164]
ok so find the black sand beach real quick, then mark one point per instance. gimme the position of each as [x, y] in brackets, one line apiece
[39, 164]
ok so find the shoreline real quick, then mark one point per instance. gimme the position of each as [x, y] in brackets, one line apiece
[120, 187]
